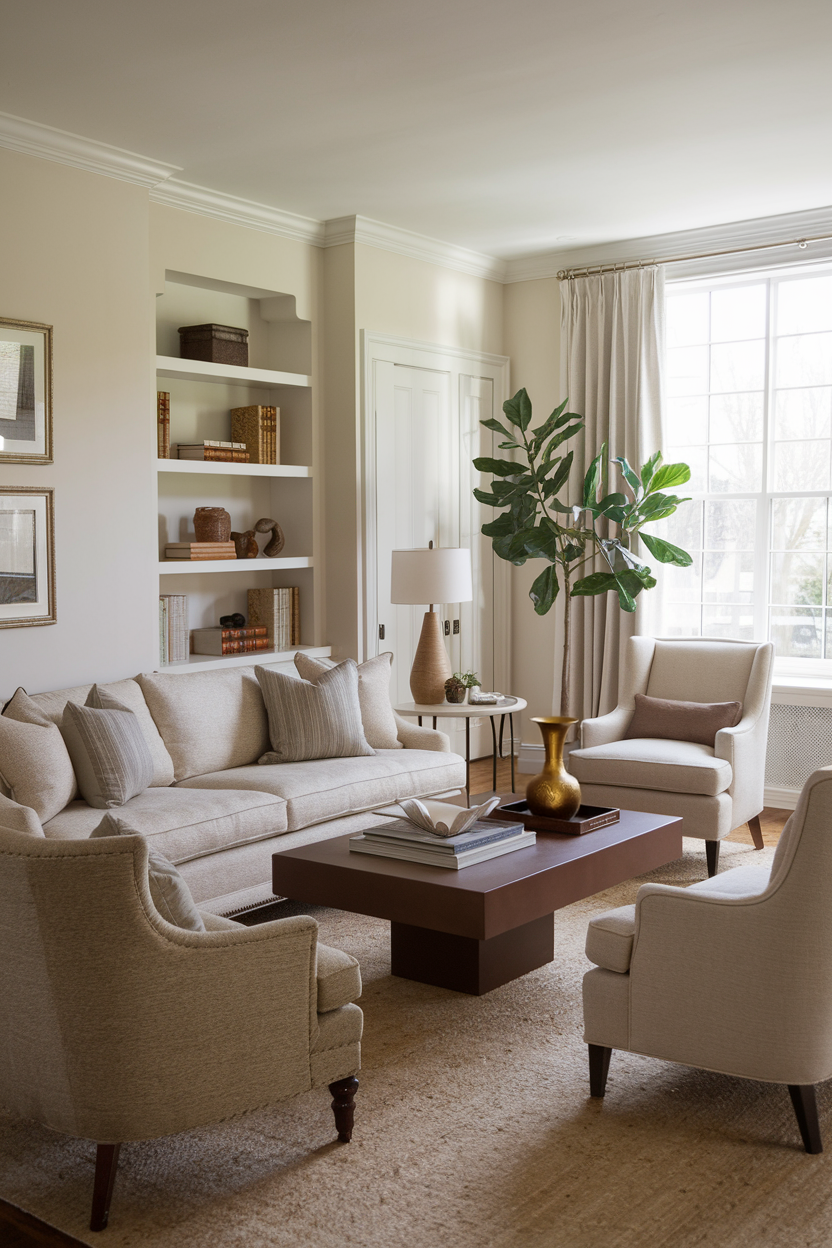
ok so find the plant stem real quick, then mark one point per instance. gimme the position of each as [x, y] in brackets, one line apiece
[567, 646]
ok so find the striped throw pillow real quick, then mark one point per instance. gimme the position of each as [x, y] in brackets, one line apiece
[111, 758]
[309, 721]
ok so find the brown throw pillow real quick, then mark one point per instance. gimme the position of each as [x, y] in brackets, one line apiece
[682, 721]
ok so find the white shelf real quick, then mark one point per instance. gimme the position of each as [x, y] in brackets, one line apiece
[226, 374]
[233, 470]
[188, 567]
[205, 662]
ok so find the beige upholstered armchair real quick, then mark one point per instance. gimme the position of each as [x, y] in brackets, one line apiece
[714, 788]
[116, 1025]
[733, 974]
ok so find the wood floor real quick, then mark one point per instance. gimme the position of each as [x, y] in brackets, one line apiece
[21, 1230]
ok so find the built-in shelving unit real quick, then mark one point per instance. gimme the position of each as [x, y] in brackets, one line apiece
[201, 397]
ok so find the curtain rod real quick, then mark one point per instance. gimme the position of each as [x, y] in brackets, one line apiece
[598, 269]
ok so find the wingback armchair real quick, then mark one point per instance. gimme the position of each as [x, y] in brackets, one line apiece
[732, 974]
[713, 788]
[118, 1026]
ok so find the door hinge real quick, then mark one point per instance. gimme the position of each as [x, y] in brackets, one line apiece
[456, 627]
[447, 628]
[381, 632]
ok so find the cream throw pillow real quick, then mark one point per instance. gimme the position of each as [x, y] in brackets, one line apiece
[111, 757]
[307, 721]
[169, 892]
[35, 766]
[373, 695]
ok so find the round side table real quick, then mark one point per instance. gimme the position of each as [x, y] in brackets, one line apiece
[480, 710]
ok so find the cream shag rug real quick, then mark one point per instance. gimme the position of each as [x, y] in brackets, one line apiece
[474, 1130]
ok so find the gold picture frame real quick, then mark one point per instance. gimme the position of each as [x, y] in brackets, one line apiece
[25, 392]
[27, 556]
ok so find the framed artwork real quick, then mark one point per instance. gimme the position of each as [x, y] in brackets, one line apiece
[25, 392]
[27, 556]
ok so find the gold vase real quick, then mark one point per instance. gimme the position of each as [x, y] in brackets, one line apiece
[554, 792]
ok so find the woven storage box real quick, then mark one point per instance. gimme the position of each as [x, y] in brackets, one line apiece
[218, 344]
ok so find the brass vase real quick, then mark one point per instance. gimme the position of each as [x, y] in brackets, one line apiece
[554, 792]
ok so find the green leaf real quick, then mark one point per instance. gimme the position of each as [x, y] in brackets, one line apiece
[594, 477]
[502, 548]
[649, 468]
[490, 500]
[563, 435]
[596, 583]
[499, 527]
[653, 503]
[544, 590]
[519, 409]
[496, 427]
[543, 543]
[609, 501]
[509, 446]
[669, 475]
[549, 422]
[498, 467]
[666, 552]
[632, 478]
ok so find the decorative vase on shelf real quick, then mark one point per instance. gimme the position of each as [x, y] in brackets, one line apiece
[554, 792]
[212, 524]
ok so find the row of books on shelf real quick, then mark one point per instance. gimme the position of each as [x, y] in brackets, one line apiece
[273, 625]
[442, 835]
[254, 436]
[200, 550]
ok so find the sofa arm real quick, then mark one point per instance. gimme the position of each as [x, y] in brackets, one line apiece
[19, 818]
[606, 728]
[414, 737]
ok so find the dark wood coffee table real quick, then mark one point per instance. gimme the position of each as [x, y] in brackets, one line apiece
[475, 929]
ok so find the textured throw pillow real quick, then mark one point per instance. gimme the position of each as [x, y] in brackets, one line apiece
[682, 721]
[313, 721]
[108, 750]
[34, 764]
[171, 895]
[373, 695]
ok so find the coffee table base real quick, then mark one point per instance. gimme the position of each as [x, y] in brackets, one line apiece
[466, 964]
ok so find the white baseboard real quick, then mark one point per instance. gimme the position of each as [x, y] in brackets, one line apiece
[781, 799]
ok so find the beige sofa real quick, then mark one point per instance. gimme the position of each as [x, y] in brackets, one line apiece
[217, 814]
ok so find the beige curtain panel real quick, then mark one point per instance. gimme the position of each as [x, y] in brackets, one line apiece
[611, 341]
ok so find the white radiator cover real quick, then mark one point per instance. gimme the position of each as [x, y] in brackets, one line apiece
[799, 741]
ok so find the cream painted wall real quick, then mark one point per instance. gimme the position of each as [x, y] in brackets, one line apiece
[532, 340]
[74, 254]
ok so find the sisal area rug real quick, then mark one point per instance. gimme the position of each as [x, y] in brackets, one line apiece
[474, 1130]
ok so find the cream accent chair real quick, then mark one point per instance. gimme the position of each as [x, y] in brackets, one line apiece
[118, 1026]
[732, 975]
[714, 789]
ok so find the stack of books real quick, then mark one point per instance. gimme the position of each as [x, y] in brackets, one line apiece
[163, 424]
[443, 835]
[257, 428]
[200, 550]
[230, 640]
[278, 610]
[214, 452]
[173, 628]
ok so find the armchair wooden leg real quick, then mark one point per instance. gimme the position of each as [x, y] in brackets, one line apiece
[599, 1066]
[756, 832]
[343, 1106]
[712, 855]
[805, 1105]
[106, 1162]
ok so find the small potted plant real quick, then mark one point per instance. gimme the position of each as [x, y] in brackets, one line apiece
[454, 689]
[468, 680]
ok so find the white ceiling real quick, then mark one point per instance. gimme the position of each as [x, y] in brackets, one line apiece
[508, 128]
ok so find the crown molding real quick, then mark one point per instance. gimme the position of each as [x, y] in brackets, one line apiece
[178, 194]
[417, 246]
[788, 228]
[33, 139]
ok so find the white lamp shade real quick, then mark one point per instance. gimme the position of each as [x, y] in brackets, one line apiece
[432, 576]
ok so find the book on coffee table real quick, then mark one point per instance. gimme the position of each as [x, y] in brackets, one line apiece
[476, 836]
[411, 850]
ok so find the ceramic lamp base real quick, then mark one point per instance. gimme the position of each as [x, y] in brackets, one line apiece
[431, 665]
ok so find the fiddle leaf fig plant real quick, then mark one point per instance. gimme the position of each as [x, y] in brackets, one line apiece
[537, 523]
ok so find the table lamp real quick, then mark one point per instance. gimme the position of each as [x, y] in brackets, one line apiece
[431, 576]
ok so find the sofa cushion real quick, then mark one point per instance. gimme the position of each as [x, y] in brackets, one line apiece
[209, 721]
[609, 939]
[644, 763]
[184, 824]
[109, 753]
[313, 720]
[18, 818]
[682, 721]
[130, 695]
[35, 766]
[330, 787]
[339, 978]
[377, 715]
[169, 892]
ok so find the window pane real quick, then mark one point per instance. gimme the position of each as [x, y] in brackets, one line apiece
[804, 361]
[725, 621]
[730, 524]
[738, 313]
[687, 319]
[804, 306]
[729, 577]
[796, 632]
[737, 417]
[736, 469]
[803, 413]
[687, 419]
[680, 621]
[739, 366]
[798, 524]
[683, 528]
[801, 465]
[679, 584]
[797, 578]
[687, 370]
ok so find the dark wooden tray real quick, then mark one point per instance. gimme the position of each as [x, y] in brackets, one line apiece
[586, 819]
